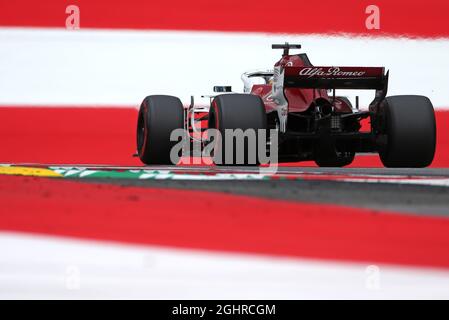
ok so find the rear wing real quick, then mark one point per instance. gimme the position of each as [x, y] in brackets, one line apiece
[336, 78]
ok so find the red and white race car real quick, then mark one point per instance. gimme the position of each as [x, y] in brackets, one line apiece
[298, 101]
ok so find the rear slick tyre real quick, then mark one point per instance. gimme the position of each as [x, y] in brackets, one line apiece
[411, 132]
[237, 111]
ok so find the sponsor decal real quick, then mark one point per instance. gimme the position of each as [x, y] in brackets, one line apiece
[331, 71]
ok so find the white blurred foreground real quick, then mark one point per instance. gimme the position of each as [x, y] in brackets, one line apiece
[121, 67]
[41, 267]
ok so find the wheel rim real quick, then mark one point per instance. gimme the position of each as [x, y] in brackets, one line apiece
[141, 133]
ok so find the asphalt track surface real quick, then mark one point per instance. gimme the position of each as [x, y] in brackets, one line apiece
[399, 197]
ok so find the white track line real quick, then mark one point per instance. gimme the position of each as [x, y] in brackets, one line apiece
[436, 181]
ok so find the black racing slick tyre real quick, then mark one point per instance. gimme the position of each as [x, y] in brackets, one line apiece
[158, 116]
[410, 129]
[237, 111]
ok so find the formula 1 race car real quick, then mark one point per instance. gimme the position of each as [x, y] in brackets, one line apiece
[298, 101]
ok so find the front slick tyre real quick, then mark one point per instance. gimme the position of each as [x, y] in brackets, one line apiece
[158, 117]
[409, 124]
